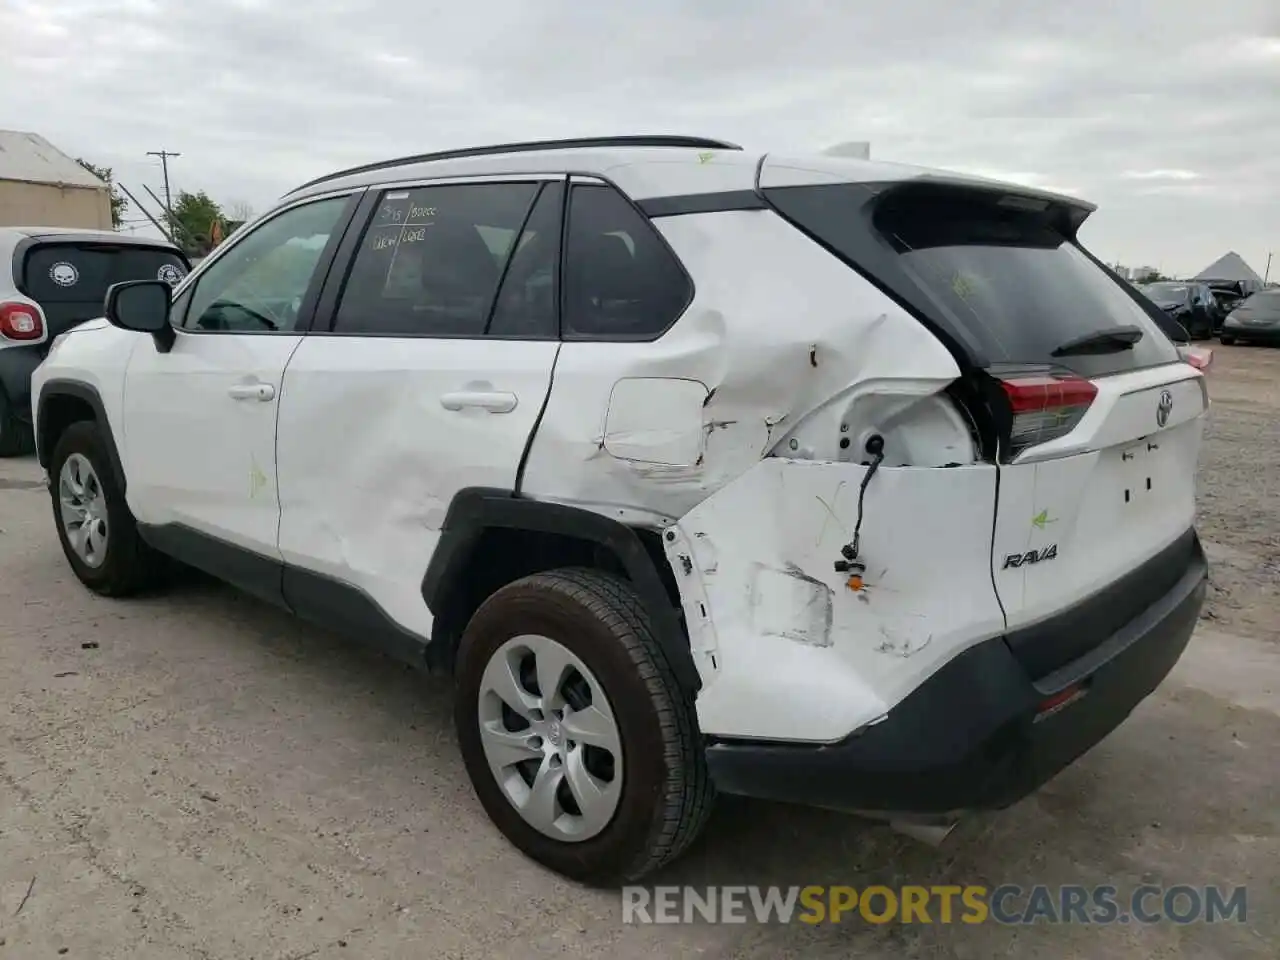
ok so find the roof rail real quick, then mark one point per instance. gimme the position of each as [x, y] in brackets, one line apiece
[635, 140]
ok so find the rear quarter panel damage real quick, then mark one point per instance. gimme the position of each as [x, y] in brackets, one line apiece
[764, 347]
[786, 648]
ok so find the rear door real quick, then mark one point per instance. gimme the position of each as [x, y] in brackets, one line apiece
[69, 278]
[1100, 422]
[429, 361]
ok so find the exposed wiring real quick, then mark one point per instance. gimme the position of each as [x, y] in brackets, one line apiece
[851, 564]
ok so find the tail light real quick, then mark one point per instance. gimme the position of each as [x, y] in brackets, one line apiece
[1199, 357]
[1045, 408]
[21, 321]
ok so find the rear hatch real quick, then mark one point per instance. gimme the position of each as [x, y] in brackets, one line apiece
[1083, 403]
[69, 279]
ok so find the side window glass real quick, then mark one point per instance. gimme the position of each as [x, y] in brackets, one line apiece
[258, 284]
[621, 280]
[178, 310]
[431, 260]
[526, 305]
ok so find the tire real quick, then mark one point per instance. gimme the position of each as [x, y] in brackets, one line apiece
[127, 565]
[1226, 340]
[16, 437]
[665, 795]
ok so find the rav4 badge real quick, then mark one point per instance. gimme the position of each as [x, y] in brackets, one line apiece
[1031, 556]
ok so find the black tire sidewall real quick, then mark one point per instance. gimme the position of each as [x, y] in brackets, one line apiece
[84, 438]
[526, 608]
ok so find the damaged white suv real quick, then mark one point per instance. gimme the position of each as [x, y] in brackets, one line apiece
[814, 479]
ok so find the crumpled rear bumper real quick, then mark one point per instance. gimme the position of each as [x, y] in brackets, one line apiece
[978, 734]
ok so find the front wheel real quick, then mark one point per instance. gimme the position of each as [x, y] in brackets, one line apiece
[95, 527]
[578, 741]
[1226, 340]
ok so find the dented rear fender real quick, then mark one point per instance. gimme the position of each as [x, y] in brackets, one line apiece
[787, 647]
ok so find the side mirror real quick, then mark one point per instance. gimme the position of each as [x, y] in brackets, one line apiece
[142, 306]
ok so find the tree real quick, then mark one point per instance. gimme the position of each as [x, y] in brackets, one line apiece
[118, 203]
[239, 211]
[192, 225]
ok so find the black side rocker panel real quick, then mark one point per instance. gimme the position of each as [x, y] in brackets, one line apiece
[477, 509]
[319, 599]
[80, 391]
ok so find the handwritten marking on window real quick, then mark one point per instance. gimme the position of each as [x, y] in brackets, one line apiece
[962, 286]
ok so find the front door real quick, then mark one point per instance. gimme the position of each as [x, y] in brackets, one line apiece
[427, 378]
[200, 420]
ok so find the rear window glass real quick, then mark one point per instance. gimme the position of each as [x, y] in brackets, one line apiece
[1018, 286]
[1166, 291]
[81, 273]
[994, 274]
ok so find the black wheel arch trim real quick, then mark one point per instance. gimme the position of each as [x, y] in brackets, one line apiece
[88, 394]
[477, 509]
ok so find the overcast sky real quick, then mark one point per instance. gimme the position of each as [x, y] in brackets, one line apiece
[1166, 113]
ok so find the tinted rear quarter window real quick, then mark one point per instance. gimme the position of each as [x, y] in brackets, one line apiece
[622, 282]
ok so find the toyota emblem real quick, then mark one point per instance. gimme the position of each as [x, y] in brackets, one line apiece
[1164, 408]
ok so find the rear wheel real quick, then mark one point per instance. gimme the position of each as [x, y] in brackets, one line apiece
[1226, 340]
[16, 437]
[95, 527]
[577, 739]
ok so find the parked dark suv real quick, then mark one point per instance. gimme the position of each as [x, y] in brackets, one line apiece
[1228, 293]
[1189, 302]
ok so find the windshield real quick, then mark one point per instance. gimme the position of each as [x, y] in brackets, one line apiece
[1268, 300]
[1166, 291]
[70, 280]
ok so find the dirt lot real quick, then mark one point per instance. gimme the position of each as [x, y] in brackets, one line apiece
[210, 779]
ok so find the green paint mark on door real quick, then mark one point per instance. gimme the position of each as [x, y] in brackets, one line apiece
[257, 479]
[1042, 519]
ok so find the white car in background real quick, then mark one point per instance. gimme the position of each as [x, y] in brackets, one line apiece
[52, 278]
[704, 469]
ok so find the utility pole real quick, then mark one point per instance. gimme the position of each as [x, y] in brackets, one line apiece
[164, 156]
[1266, 275]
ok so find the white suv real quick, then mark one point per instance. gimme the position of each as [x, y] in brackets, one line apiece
[821, 480]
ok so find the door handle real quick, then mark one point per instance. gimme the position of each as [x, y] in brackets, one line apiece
[492, 400]
[252, 391]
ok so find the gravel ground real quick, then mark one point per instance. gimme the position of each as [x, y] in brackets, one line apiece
[1240, 491]
[196, 775]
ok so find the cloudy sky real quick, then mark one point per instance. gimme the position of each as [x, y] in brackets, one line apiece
[1164, 112]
